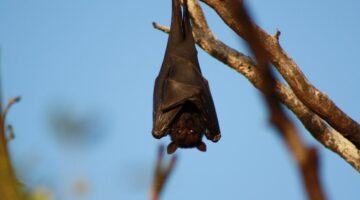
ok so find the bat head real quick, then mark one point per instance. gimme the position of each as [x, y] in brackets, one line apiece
[187, 129]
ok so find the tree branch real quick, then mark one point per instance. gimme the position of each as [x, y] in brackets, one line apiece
[314, 99]
[243, 64]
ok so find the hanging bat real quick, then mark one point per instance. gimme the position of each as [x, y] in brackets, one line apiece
[183, 106]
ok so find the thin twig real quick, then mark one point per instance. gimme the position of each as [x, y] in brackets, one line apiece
[161, 174]
[243, 64]
[11, 102]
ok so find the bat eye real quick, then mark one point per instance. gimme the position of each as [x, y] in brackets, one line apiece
[192, 131]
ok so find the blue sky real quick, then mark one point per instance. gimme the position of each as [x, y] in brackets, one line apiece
[97, 60]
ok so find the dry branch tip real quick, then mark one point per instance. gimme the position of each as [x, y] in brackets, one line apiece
[160, 27]
[277, 35]
[11, 102]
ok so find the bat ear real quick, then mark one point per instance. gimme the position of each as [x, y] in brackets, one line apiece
[202, 147]
[171, 148]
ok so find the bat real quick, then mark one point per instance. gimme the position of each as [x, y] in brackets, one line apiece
[182, 105]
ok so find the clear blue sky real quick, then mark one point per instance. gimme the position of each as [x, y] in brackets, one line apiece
[97, 61]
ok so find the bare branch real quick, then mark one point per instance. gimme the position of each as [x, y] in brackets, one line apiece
[314, 99]
[160, 27]
[161, 174]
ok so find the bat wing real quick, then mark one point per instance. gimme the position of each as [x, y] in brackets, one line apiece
[186, 71]
[161, 119]
[183, 83]
[177, 93]
[173, 89]
[207, 107]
